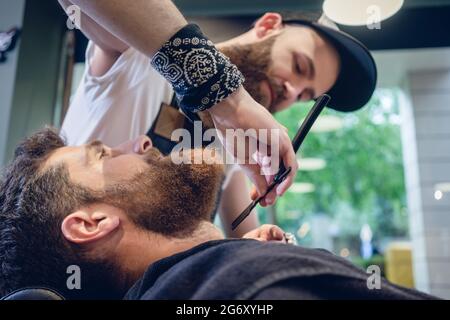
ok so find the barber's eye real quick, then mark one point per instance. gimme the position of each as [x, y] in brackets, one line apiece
[298, 69]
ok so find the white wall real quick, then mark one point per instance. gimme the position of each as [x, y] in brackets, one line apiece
[424, 75]
[11, 15]
[426, 144]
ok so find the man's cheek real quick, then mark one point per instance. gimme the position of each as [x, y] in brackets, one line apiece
[124, 167]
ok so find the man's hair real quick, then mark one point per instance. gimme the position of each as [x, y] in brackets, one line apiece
[33, 204]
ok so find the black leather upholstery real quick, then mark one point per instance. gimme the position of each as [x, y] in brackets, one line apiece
[34, 294]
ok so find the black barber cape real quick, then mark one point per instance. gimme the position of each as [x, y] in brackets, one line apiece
[249, 269]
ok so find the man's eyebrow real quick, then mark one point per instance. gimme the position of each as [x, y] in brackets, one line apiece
[93, 146]
[97, 144]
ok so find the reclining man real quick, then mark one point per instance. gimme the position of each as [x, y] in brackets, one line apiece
[121, 96]
[113, 213]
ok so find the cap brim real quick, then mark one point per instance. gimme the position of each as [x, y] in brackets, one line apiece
[357, 78]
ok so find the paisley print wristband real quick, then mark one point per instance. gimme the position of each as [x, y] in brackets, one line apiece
[200, 74]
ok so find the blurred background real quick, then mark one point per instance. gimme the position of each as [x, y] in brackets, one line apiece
[373, 186]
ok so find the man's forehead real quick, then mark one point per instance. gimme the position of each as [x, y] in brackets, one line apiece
[292, 30]
[65, 155]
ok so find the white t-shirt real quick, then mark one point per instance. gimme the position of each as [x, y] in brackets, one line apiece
[118, 106]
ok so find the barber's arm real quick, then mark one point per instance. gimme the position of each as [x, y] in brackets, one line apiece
[108, 47]
[235, 198]
[150, 27]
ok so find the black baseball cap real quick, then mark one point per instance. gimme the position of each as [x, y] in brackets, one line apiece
[357, 78]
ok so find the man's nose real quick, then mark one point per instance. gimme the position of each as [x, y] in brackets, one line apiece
[139, 145]
[142, 144]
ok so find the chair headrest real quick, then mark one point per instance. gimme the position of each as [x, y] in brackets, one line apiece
[33, 294]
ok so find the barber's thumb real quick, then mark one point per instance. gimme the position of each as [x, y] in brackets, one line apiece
[260, 184]
[277, 233]
[253, 193]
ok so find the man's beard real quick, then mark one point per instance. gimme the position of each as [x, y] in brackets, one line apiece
[169, 199]
[254, 61]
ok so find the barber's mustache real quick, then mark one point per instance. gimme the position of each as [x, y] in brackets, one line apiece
[278, 91]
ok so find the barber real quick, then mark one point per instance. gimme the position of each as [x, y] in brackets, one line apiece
[233, 108]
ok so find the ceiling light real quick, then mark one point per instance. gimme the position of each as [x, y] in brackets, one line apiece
[360, 12]
[311, 164]
[444, 187]
[327, 124]
[438, 194]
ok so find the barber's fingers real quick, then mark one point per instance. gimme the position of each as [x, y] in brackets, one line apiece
[266, 168]
[290, 161]
[254, 173]
[266, 232]
[255, 195]
[267, 172]
[271, 233]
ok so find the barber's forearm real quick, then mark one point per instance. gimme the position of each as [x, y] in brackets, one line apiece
[96, 33]
[235, 198]
[143, 24]
[251, 223]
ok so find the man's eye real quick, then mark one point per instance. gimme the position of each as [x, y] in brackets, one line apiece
[103, 153]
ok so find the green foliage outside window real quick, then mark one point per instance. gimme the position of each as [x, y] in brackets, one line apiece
[363, 181]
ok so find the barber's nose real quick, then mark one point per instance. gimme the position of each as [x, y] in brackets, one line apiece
[293, 91]
[139, 145]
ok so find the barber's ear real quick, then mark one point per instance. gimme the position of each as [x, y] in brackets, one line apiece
[83, 227]
[268, 24]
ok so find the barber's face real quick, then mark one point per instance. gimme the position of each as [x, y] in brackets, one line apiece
[287, 65]
[155, 193]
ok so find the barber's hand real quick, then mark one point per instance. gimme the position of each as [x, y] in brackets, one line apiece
[267, 232]
[240, 111]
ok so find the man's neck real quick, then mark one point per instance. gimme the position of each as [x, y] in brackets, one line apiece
[242, 39]
[147, 248]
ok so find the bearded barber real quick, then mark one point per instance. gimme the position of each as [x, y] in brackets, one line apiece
[232, 108]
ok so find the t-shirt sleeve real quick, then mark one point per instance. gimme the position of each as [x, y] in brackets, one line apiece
[131, 66]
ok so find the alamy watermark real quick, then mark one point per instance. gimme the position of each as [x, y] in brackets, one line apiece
[243, 147]
[74, 17]
[74, 279]
[374, 279]
[373, 17]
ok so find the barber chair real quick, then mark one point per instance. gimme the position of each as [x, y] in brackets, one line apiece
[33, 294]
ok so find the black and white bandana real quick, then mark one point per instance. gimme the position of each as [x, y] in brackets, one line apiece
[200, 74]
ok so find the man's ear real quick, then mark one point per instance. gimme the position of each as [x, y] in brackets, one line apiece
[88, 225]
[268, 24]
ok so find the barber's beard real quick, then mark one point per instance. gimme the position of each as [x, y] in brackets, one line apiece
[169, 199]
[254, 61]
